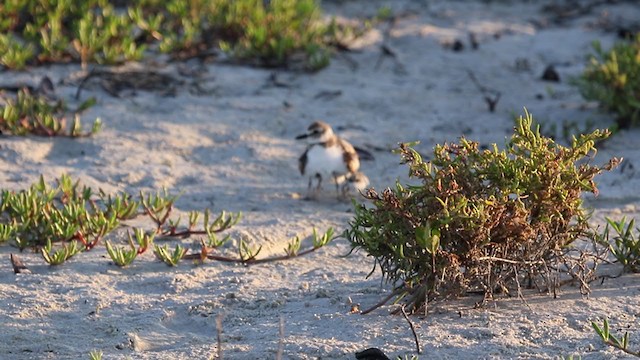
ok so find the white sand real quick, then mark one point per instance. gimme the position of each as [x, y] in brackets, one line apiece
[234, 150]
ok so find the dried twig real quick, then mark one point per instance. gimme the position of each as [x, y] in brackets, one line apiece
[383, 301]
[353, 65]
[219, 334]
[520, 296]
[386, 50]
[491, 96]
[413, 330]
[250, 261]
[498, 259]
[281, 340]
[89, 75]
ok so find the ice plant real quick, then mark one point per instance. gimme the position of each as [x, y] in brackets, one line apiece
[67, 218]
[60, 255]
[31, 114]
[621, 343]
[171, 258]
[123, 256]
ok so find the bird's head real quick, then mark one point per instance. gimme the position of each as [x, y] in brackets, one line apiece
[317, 132]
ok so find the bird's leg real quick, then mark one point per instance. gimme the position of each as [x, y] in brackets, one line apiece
[345, 191]
[310, 184]
[312, 193]
[335, 180]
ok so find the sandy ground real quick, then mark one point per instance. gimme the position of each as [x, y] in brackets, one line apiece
[232, 148]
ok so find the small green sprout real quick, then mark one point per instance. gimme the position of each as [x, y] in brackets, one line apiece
[168, 257]
[70, 189]
[193, 219]
[572, 357]
[122, 256]
[293, 247]
[6, 231]
[95, 227]
[143, 239]
[86, 105]
[320, 241]
[625, 246]
[173, 224]
[14, 54]
[97, 126]
[60, 255]
[22, 243]
[121, 205]
[247, 253]
[159, 201]
[385, 13]
[44, 191]
[33, 114]
[223, 222]
[611, 340]
[95, 355]
[158, 206]
[213, 242]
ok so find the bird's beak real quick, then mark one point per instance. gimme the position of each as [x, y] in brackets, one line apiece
[303, 136]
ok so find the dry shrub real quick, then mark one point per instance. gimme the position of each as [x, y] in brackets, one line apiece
[481, 220]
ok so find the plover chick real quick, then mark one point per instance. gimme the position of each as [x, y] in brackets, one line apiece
[353, 184]
[326, 156]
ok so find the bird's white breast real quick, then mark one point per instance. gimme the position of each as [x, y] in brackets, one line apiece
[326, 161]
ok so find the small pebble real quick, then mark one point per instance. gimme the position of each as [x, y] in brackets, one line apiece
[550, 74]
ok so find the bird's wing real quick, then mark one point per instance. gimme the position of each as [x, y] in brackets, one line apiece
[364, 154]
[302, 161]
[350, 156]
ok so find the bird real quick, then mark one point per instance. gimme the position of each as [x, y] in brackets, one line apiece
[354, 183]
[326, 156]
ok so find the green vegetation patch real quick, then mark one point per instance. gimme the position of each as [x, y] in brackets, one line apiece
[274, 33]
[35, 114]
[613, 79]
[481, 220]
[67, 218]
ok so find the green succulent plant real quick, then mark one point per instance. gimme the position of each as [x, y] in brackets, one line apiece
[621, 343]
[478, 220]
[613, 79]
[31, 114]
[275, 33]
[624, 244]
[67, 218]
[171, 258]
